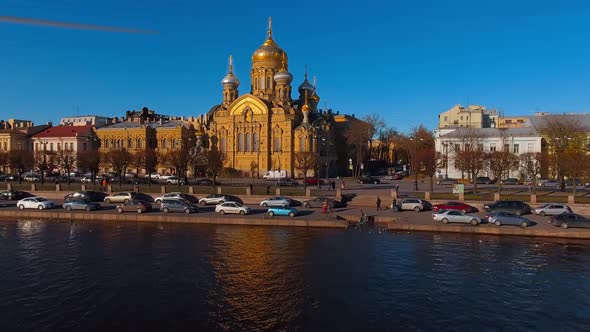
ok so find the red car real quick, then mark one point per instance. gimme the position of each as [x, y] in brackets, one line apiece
[313, 181]
[454, 206]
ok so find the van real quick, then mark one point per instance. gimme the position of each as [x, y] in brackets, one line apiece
[274, 175]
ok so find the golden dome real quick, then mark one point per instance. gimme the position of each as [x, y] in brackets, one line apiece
[269, 50]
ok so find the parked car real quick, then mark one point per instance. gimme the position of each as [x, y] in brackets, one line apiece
[276, 201]
[80, 204]
[397, 176]
[153, 176]
[8, 177]
[177, 205]
[413, 204]
[215, 199]
[368, 179]
[282, 211]
[134, 205]
[483, 180]
[11, 195]
[570, 182]
[286, 182]
[206, 182]
[176, 195]
[447, 182]
[88, 179]
[123, 197]
[500, 218]
[459, 206]
[318, 202]
[312, 181]
[447, 216]
[232, 207]
[517, 207]
[550, 209]
[549, 184]
[511, 181]
[567, 220]
[86, 195]
[40, 203]
[173, 180]
[32, 178]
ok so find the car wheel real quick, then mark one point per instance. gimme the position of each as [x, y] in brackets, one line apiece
[40, 207]
[564, 225]
[445, 220]
[166, 210]
[203, 203]
[108, 201]
[139, 211]
[22, 207]
[126, 201]
[242, 212]
[291, 214]
[187, 211]
[542, 213]
[524, 224]
[307, 205]
[68, 208]
[270, 213]
[221, 212]
[264, 205]
[498, 223]
[158, 201]
[474, 222]
[416, 209]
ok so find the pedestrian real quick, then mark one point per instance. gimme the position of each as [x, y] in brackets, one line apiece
[342, 185]
[325, 206]
[104, 184]
[378, 203]
[363, 217]
[268, 189]
[394, 204]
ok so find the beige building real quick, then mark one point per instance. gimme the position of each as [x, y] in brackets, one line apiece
[513, 121]
[472, 116]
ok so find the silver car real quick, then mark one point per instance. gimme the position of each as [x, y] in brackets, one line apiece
[507, 218]
[551, 209]
[276, 201]
[213, 199]
[447, 216]
[414, 204]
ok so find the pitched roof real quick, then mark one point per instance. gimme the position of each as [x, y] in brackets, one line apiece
[492, 132]
[64, 131]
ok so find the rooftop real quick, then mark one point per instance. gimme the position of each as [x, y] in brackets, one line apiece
[492, 132]
[64, 131]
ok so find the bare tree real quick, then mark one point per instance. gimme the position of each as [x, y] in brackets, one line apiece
[253, 169]
[44, 161]
[531, 162]
[66, 160]
[3, 159]
[119, 160]
[501, 163]
[471, 157]
[20, 161]
[375, 124]
[150, 162]
[574, 164]
[430, 161]
[137, 160]
[178, 160]
[215, 161]
[90, 161]
[357, 137]
[304, 162]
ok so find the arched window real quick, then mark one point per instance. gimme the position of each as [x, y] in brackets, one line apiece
[256, 142]
[248, 146]
[261, 83]
[129, 143]
[240, 142]
[268, 82]
[139, 143]
[174, 143]
[106, 144]
[302, 144]
[222, 143]
[277, 143]
[164, 143]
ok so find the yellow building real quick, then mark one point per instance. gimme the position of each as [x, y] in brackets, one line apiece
[264, 127]
[15, 135]
[513, 121]
[144, 129]
[472, 116]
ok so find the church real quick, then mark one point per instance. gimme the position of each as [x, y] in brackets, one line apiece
[263, 129]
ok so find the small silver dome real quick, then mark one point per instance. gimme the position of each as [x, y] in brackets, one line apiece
[283, 76]
[230, 79]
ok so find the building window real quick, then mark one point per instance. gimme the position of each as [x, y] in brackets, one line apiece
[164, 143]
[277, 144]
[139, 143]
[50, 146]
[531, 147]
[19, 146]
[240, 142]
[59, 146]
[302, 144]
[248, 146]
[106, 143]
[461, 117]
[492, 147]
[36, 146]
[4, 146]
[507, 147]
[256, 142]
[129, 143]
[72, 146]
[457, 147]
[516, 148]
[268, 83]
[222, 143]
[261, 83]
[446, 119]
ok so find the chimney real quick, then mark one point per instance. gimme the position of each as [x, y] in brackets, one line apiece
[50, 124]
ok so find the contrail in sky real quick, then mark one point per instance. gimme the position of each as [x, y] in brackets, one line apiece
[67, 25]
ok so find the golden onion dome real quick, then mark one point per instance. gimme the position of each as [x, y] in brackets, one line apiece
[269, 50]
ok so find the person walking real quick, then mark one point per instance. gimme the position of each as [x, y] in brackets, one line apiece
[325, 206]
[378, 203]
[394, 204]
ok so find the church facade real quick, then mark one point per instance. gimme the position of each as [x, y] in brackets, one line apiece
[263, 129]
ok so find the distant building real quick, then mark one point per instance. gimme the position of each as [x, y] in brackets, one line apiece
[513, 121]
[472, 116]
[72, 138]
[85, 120]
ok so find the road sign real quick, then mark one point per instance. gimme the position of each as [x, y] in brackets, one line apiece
[458, 188]
[350, 167]
[350, 161]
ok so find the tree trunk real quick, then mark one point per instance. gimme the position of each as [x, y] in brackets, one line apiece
[474, 179]
[432, 183]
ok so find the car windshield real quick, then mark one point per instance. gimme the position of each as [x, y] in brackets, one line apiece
[41, 199]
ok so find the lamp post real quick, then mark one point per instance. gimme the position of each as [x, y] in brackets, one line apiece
[415, 140]
[317, 126]
[446, 150]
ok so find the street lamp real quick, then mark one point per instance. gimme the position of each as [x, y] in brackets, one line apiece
[415, 140]
[446, 150]
[317, 126]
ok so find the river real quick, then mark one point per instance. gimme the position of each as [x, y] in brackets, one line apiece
[88, 276]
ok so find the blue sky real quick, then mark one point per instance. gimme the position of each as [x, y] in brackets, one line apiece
[406, 60]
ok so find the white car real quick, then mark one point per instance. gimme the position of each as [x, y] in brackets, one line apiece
[276, 201]
[232, 207]
[40, 203]
[172, 195]
[153, 176]
[447, 216]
